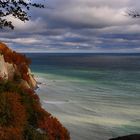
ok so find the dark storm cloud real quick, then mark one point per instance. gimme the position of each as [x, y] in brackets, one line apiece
[78, 25]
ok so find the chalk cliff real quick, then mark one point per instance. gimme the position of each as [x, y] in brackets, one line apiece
[10, 69]
[21, 114]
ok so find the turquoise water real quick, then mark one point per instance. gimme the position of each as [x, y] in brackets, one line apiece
[96, 96]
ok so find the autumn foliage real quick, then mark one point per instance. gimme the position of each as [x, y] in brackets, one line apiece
[21, 114]
[20, 60]
[53, 128]
[12, 116]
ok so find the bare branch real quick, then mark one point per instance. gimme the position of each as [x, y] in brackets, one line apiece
[16, 8]
[133, 14]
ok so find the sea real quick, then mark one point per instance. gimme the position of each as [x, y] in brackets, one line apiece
[96, 96]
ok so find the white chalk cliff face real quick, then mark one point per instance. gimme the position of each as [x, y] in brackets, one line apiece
[3, 68]
[9, 70]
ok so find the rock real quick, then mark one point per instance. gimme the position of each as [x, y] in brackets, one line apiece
[32, 83]
[24, 84]
[9, 70]
[3, 68]
[128, 137]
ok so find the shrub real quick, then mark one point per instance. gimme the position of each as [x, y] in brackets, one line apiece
[53, 128]
[13, 116]
[21, 115]
[10, 133]
[17, 77]
[31, 133]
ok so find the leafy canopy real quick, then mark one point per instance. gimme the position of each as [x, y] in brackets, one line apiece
[16, 8]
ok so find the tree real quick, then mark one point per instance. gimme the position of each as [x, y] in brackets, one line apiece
[133, 13]
[16, 8]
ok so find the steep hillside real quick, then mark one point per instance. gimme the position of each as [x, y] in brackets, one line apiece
[21, 114]
[14, 66]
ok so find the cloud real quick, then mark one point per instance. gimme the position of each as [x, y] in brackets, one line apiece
[89, 14]
[80, 25]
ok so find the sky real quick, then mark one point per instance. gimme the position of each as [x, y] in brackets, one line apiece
[77, 26]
